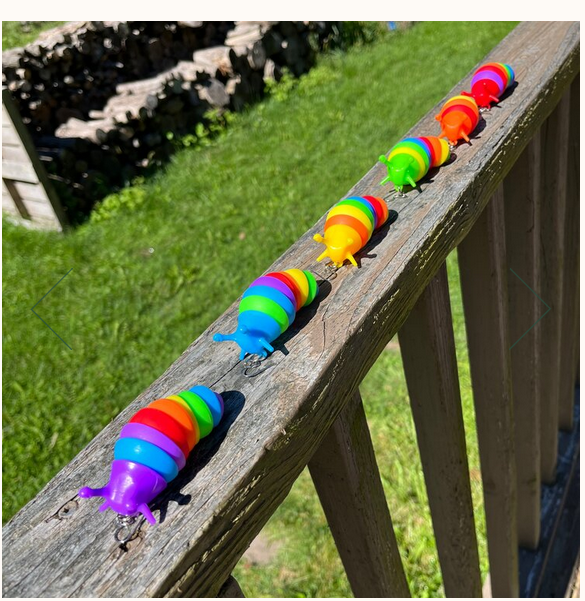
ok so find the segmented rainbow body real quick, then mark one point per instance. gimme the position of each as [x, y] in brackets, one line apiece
[154, 446]
[489, 82]
[268, 308]
[349, 225]
[410, 160]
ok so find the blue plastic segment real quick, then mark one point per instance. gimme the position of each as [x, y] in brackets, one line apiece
[147, 454]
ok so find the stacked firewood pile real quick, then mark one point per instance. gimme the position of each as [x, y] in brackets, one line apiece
[72, 70]
[99, 125]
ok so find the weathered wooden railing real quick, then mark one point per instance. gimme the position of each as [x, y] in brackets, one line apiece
[510, 204]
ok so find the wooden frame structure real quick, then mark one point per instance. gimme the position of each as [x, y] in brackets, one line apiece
[27, 193]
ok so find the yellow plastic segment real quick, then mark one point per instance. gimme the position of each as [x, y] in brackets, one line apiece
[342, 243]
[301, 279]
[353, 212]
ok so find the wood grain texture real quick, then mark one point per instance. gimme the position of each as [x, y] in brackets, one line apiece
[19, 172]
[239, 475]
[29, 172]
[430, 364]
[10, 138]
[570, 294]
[347, 479]
[522, 197]
[555, 147]
[483, 268]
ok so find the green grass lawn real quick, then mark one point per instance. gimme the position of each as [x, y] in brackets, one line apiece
[155, 270]
[17, 33]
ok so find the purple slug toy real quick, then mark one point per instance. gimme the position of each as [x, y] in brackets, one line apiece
[153, 447]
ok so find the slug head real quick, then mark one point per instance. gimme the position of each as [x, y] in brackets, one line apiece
[253, 335]
[131, 488]
[402, 171]
[454, 126]
[342, 243]
[484, 93]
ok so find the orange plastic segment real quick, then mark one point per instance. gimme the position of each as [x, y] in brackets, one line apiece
[461, 100]
[440, 148]
[358, 214]
[180, 414]
[351, 222]
[184, 404]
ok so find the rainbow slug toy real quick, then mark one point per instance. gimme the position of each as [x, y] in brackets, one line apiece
[349, 225]
[154, 446]
[268, 308]
[489, 82]
[458, 118]
[410, 160]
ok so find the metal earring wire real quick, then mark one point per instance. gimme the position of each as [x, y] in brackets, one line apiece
[253, 362]
[126, 528]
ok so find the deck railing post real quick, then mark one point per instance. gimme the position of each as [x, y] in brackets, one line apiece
[231, 590]
[522, 191]
[569, 317]
[347, 480]
[430, 364]
[555, 147]
[482, 262]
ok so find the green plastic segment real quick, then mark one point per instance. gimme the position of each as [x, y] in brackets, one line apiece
[413, 146]
[268, 306]
[509, 72]
[313, 288]
[420, 172]
[200, 410]
[358, 205]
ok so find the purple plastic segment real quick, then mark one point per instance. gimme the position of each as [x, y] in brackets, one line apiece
[277, 285]
[144, 432]
[130, 489]
[489, 75]
[220, 399]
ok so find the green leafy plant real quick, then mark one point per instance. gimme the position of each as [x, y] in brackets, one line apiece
[127, 199]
